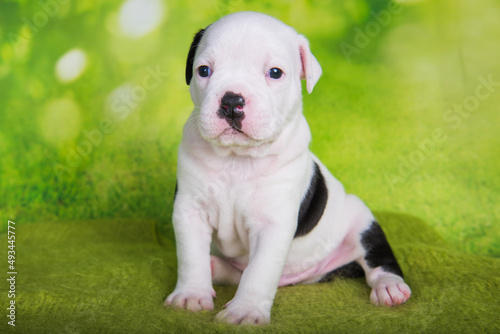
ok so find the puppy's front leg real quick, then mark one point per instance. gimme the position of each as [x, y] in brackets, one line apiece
[194, 289]
[252, 303]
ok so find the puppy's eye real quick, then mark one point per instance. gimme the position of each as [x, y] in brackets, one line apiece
[204, 71]
[275, 73]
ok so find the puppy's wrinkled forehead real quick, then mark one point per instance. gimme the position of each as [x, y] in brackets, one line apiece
[243, 36]
[251, 43]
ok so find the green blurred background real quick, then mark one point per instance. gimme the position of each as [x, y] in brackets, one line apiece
[93, 100]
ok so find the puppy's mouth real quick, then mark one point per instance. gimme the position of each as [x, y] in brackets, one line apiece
[233, 136]
[234, 131]
[236, 126]
[233, 115]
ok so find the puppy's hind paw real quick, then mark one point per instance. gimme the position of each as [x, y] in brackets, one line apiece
[390, 292]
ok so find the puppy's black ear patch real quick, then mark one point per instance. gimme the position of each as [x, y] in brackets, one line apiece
[191, 54]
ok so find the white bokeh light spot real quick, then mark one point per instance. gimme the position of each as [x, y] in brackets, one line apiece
[121, 102]
[140, 17]
[71, 65]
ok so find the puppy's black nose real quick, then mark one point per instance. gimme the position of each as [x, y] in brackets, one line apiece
[231, 109]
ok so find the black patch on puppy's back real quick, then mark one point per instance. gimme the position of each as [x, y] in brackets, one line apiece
[192, 53]
[313, 204]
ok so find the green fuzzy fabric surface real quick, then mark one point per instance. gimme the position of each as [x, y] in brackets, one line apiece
[406, 116]
[112, 276]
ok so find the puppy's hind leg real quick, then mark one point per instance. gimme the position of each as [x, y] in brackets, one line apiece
[223, 273]
[382, 270]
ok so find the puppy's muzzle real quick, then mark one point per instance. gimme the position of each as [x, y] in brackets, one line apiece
[231, 109]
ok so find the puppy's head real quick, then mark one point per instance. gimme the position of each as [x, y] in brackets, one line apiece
[244, 73]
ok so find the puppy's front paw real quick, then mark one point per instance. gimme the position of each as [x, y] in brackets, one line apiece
[191, 300]
[239, 312]
[390, 291]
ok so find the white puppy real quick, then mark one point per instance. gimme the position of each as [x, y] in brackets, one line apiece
[249, 187]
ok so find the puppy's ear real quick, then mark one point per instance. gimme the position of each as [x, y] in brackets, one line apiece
[191, 54]
[311, 70]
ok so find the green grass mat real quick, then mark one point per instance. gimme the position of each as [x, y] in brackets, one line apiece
[385, 119]
[112, 276]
